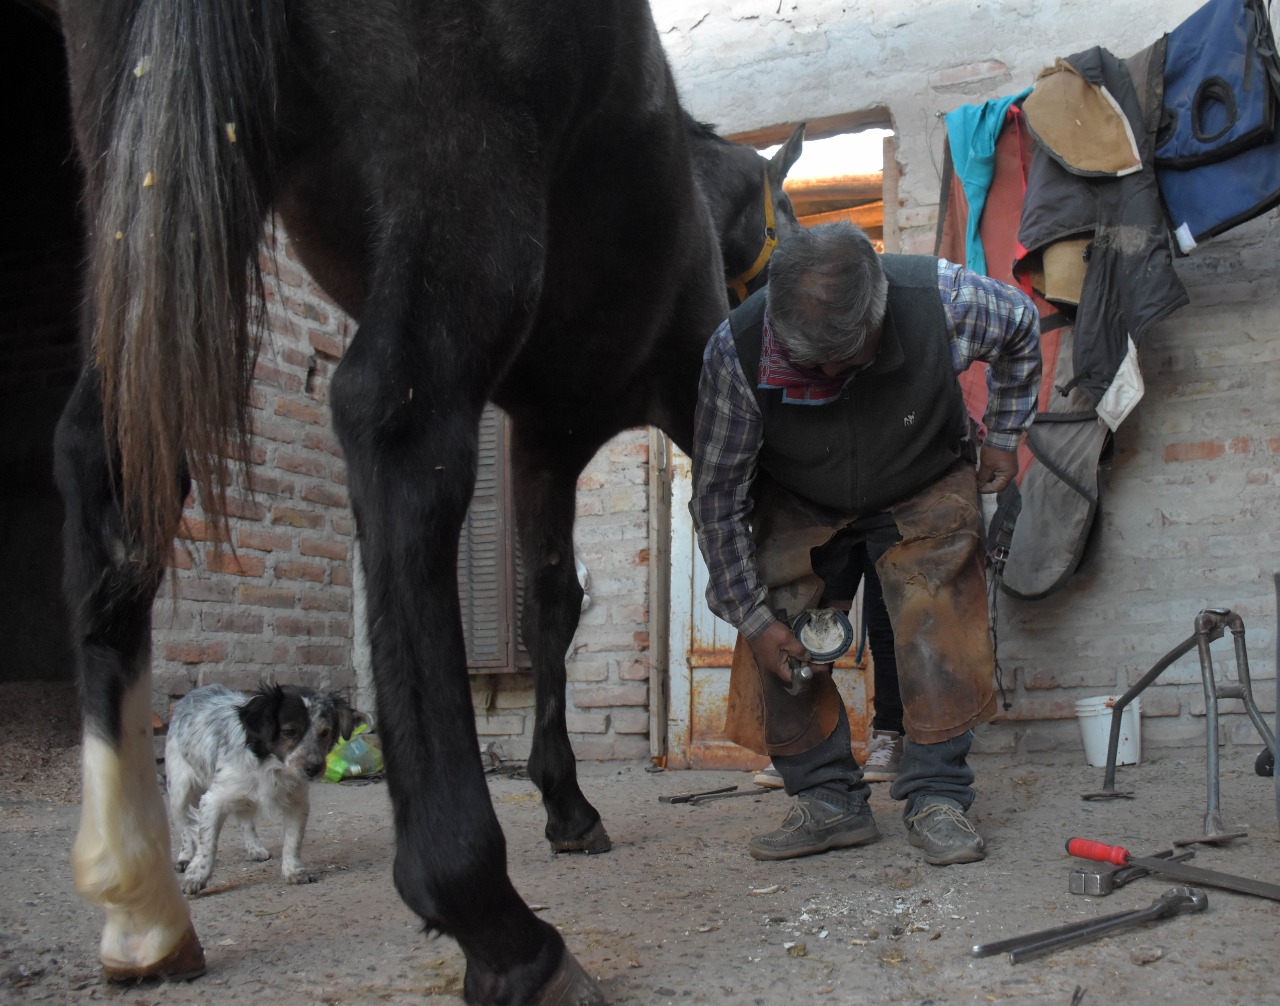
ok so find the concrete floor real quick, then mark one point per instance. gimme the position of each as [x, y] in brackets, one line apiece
[678, 913]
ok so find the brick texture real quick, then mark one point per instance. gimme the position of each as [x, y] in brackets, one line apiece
[251, 604]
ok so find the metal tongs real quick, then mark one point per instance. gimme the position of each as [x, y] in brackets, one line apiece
[1174, 901]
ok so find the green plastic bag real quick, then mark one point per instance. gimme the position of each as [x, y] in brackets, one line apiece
[355, 757]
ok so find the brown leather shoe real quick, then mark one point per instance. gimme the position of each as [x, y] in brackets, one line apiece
[812, 826]
[939, 827]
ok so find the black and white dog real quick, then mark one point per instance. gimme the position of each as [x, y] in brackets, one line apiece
[234, 755]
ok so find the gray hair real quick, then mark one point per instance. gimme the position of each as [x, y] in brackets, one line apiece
[827, 291]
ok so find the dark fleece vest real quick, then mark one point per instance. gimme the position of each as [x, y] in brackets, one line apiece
[897, 425]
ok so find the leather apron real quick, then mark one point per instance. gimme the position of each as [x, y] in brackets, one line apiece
[935, 590]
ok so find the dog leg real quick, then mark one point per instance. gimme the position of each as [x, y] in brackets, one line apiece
[182, 804]
[253, 847]
[295, 813]
[210, 817]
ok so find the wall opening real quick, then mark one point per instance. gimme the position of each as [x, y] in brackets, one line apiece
[847, 171]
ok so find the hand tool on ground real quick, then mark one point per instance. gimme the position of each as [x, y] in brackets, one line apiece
[1101, 852]
[687, 797]
[1100, 881]
[1174, 901]
[707, 795]
[701, 798]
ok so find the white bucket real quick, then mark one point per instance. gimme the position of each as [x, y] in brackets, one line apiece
[1094, 716]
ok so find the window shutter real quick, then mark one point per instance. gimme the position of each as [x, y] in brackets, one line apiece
[484, 584]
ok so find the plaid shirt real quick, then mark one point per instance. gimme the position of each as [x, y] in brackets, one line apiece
[986, 320]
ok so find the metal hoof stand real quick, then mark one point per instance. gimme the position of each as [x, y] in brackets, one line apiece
[1210, 624]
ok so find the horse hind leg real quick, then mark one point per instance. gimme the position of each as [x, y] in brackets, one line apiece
[406, 404]
[123, 832]
[546, 482]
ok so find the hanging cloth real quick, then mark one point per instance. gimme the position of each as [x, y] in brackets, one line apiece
[1218, 148]
[972, 131]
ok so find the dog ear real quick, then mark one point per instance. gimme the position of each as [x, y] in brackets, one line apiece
[348, 718]
[260, 717]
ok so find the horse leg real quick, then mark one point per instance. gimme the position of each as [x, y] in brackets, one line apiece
[406, 402]
[546, 483]
[123, 833]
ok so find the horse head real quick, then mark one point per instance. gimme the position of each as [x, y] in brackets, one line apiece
[744, 190]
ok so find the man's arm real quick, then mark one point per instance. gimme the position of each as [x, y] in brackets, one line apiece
[998, 324]
[728, 432]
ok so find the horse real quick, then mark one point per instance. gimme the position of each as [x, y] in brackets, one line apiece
[501, 195]
[750, 220]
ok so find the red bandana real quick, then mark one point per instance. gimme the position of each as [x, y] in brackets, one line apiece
[798, 388]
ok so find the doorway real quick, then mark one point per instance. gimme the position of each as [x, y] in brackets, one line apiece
[847, 171]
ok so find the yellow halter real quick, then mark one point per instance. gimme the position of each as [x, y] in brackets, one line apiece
[738, 286]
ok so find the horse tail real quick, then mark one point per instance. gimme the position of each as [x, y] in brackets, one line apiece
[176, 129]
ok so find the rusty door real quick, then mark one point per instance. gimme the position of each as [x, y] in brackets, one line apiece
[701, 649]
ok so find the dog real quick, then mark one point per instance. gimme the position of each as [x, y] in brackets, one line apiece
[234, 755]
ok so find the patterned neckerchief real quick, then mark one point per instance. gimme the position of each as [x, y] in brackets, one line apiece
[798, 387]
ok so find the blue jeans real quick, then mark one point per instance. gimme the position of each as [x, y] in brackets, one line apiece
[828, 771]
[935, 770]
[831, 773]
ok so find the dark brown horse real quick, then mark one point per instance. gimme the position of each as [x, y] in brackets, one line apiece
[501, 194]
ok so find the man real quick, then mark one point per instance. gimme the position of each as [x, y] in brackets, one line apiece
[829, 417]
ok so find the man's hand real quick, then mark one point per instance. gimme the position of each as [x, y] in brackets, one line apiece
[772, 648]
[996, 469]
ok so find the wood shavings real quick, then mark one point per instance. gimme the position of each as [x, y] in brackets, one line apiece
[143, 67]
[230, 127]
[149, 180]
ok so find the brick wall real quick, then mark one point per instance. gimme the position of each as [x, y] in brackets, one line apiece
[1188, 520]
[279, 605]
[608, 662]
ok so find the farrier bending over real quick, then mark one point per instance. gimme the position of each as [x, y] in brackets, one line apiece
[829, 414]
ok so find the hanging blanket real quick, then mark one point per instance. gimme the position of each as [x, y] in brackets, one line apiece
[1218, 148]
[1055, 502]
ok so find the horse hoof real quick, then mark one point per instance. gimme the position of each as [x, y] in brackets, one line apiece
[183, 962]
[595, 840]
[570, 986]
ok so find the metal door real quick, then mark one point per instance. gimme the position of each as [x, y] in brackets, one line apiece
[701, 649]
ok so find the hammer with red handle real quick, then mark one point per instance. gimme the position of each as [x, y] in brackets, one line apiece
[1088, 849]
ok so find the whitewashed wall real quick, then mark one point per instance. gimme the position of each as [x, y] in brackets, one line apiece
[1189, 502]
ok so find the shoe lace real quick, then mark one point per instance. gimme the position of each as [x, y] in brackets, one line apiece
[880, 750]
[797, 817]
[953, 814]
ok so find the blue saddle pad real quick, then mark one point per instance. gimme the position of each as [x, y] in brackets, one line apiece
[1221, 80]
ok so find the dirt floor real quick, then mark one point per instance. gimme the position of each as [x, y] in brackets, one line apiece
[678, 913]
